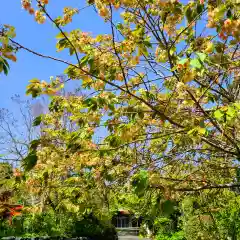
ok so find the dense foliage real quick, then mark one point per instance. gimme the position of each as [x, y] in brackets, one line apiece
[155, 127]
[50, 224]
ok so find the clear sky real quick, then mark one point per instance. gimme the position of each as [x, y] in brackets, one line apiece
[40, 38]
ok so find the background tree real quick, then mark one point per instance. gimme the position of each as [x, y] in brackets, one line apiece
[17, 130]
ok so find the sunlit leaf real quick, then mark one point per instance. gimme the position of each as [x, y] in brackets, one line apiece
[37, 121]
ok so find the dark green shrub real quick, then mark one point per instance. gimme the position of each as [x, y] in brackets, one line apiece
[93, 228]
[55, 225]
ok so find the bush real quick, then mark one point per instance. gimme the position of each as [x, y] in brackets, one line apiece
[32, 225]
[175, 236]
[92, 228]
[52, 225]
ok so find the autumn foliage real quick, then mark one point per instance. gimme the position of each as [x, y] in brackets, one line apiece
[159, 103]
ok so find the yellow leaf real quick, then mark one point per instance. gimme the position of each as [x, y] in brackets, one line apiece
[34, 80]
[50, 91]
[188, 76]
[60, 35]
[86, 79]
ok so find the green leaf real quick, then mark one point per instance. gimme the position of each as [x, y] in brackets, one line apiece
[30, 161]
[167, 207]
[84, 61]
[238, 174]
[199, 8]
[221, 11]
[74, 147]
[5, 62]
[182, 61]
[231, 112]
[140, 182]
[62, 44]
[71, 72]
[202, 56]
[111, 106]
[11, 33]
[189, 14]
[1, 67]
[4, 66]
[196, 63]
[138, 32]
[119, 26]
[218, 115]
[173, 50]
[114, 141]
[202, 124]
[229, 14]
[34, 144]
[143, 50]
[71, 51]
[37, 121]
[147, 42]
[5, 69]
[237, 105]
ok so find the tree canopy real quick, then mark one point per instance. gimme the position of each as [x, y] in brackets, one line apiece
[157, 110]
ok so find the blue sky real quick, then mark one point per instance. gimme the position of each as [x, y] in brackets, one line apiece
[40, 38]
